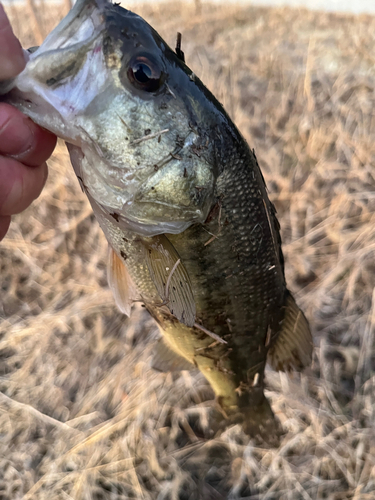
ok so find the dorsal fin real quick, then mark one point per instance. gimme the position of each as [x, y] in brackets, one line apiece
[120, 282]
[294, 346]
[170, 278]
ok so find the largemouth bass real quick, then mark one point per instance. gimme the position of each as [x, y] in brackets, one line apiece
[180, 197]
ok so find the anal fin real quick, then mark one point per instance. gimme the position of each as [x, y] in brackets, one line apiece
[120, 282]
[294, 346]
[164, 359]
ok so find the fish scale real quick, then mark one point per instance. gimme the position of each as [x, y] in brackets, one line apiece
[180, 198]
[241, 287]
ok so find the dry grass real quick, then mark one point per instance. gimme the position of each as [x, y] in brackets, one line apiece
[82, 416]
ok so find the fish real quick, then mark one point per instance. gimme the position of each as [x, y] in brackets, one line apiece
[181, 199]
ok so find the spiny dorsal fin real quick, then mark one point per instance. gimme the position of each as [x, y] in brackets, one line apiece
[170, 278]
[164, 359]
[120, 282]
[294, 346]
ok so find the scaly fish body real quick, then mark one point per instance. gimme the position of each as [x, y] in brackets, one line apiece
[180, 198]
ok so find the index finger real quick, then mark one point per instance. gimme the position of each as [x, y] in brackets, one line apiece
[12, 60]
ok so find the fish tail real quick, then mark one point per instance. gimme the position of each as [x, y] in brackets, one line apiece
[261, 423]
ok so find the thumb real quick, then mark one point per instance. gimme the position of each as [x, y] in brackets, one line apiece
[12, 60]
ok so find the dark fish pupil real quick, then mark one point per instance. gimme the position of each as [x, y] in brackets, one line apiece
[142, 73]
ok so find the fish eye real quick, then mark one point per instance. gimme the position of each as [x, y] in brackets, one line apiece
[144, 74]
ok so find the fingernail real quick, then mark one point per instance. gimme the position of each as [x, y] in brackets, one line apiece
[12, 60]
[16, 133]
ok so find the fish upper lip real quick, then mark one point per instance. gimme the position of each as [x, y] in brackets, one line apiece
[84, 23]
[66, 26]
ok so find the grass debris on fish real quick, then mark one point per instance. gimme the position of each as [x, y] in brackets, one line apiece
[180, 198]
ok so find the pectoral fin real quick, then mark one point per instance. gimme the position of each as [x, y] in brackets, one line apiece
[120, 282]
[170, 278]
[294, 346]
[164, 359]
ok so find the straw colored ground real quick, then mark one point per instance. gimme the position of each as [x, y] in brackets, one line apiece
[82, 415]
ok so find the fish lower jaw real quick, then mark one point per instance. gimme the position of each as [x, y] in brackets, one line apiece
[45, 115]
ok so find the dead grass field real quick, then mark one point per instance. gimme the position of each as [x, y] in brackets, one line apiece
[82, 415]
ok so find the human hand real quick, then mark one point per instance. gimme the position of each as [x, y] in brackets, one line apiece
[24, 146]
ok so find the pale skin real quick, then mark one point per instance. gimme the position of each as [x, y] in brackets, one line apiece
[24, 146]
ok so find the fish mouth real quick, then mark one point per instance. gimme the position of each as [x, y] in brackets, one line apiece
[61, 76]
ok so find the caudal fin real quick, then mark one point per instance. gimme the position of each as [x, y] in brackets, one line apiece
[261, 423]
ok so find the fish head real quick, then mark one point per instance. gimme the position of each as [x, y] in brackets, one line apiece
[142, 130]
